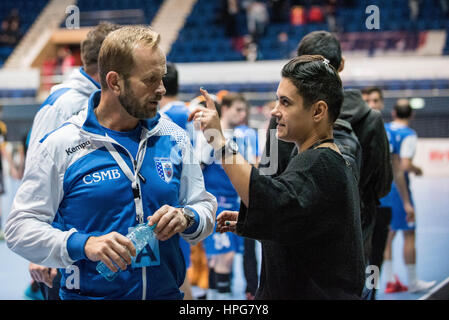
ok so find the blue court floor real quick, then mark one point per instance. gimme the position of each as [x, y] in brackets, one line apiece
[431, 197]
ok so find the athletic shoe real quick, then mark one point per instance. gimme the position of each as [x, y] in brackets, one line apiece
[420, 285]
[395, 286]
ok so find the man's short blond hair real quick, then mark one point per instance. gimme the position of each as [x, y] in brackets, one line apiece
[116, 53]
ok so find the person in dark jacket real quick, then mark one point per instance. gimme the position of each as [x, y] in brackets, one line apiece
[307, 218]
[376, 173]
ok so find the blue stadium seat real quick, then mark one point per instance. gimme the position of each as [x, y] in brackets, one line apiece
[425, 84]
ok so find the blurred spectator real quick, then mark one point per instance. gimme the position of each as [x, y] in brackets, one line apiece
[4, 39]
[65, 60]
[250, 49]
[14, 17]
[47, 71]
[10, 34]
[230, 10]
[374, 98]
[315, 15]
[284, 45]
[257, 18]
[14, 32]
[444, 4]
[297, 15]
[279, 10]
[10, 29]
[414, 9]
[331, 10]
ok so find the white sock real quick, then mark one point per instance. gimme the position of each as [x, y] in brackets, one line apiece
[387, 266]
[411, 273]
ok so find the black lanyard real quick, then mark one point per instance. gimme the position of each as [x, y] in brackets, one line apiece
[316, 144]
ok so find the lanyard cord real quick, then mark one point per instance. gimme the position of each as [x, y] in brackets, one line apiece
[134, 178]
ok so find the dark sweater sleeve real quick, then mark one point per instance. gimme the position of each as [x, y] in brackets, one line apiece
[282, 209]
[380, 162]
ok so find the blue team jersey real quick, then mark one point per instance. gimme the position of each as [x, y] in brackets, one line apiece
[397, 134]
[178, 112]
[216, 179]
[217, 182]
[402, 141]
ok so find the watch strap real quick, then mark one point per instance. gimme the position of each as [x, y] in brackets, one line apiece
[190, 218]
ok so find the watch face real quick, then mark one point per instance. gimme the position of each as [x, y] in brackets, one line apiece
[189, 212]
[233, 146]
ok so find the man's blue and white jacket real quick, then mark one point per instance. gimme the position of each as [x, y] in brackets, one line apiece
[65, 100]
[74, 181]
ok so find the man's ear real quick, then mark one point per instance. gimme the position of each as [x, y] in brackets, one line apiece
[342, 65]
[114, 82]
[319, 110]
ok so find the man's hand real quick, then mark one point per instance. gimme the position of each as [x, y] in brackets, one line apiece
[410, 211]
[42, 274]
[110, 248]
[169, 220]
[227, 221]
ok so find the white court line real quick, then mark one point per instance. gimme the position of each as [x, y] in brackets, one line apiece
[435, 289]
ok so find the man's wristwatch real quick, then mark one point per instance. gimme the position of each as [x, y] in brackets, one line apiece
[189, 215]
[230, 147]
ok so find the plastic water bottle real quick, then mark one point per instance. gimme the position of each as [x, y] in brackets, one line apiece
[140, 235]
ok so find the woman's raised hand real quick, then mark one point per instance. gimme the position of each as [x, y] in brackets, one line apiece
[209, 121]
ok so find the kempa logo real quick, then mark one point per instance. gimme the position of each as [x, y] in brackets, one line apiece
[78, 147]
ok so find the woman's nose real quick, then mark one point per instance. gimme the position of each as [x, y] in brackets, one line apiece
[275, 112]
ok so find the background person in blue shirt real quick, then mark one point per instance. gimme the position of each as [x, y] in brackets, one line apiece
[221, 247]
[403, 142]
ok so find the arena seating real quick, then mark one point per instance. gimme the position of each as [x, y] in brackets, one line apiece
[149, 9]
[28, 12]
[203, 37]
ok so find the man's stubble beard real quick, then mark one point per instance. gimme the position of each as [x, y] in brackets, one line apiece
[133, 106]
